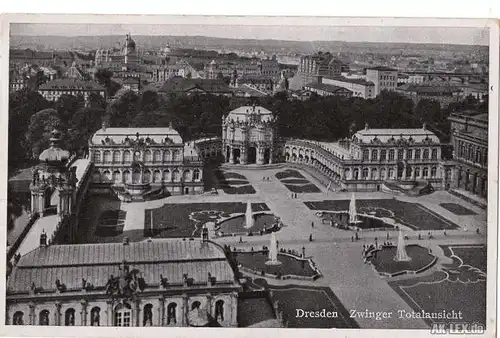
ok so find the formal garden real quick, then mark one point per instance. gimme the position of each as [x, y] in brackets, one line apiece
[295, 182]
[412, 215]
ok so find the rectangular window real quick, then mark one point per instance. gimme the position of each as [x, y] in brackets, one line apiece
[391, 155]
[417, 154]
[434, 154]
[409, 154]
[400, 154]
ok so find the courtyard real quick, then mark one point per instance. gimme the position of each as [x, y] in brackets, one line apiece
[355, 284]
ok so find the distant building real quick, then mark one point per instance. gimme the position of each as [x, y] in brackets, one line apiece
[469, 137]
[384, 78]
[443, 94]
[248, 136]
[358, 87]
[323, 89]
[125, 56]
[242, 67]
[398, 160]
[182, 86]
[132, 84]
[410, 78]
[135, 162]
[75, 72]
[262, 83]
[319, 64]
[52, 90]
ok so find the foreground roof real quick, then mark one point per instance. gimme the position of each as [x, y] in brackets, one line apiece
[70, 84]
[171, 258]
[385, 135]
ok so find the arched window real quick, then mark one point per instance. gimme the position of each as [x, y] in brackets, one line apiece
[176, 175]
[157, 176]
[97, 157]
[95, 316]
[106, 176]
[433, 172]
[157, 156]
[117, 177]
[434, 154]
[172, 313]
[196, 175]
[123, 314]
[426, 154]
[365, 154]
[426, 172]
[166, 156]
[127, 157]
[137, 156]
[219, 310]
[166, 176]
[356, 174]
[107, 157]
[391, 155]
[187, 175]
[365, 173]
[44, 318]
[382, 174]
[391, 173]
[147, 319]
[374, 154]
[409, 154]
[417, 154]
[69, 317]
[136, 176]
[116, 156]
[177, 155]
[400, 154]
[148, 156]
[147, 176]
[126, 176]
[374, 174]
[417, 172]
[195, 305]
[383, 155]
[18, 318]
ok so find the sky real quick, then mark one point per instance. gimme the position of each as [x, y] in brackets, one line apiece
[446, 35]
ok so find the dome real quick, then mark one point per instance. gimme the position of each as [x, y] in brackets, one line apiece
[54, 154]
[129, 43]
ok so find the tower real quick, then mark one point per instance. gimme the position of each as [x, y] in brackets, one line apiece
[52, 175]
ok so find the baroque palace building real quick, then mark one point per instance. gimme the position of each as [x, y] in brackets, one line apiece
[376, 159]
[161, 282]
[135, 162]
[470, 143]
[248, 136]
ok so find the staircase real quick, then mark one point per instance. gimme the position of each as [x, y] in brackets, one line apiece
[408, 188]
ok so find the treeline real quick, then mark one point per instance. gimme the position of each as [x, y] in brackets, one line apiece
[32, 118]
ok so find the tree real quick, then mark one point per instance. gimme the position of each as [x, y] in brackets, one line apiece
[96, 101]
[123, 111]
[22, 105]
[39, 130]
[104, 78]
[67, 105]
[85, 122]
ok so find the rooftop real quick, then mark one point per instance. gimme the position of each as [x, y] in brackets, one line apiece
[382, 68]
[384, 135]
[179, 84]
[428, 88]
[119, 135]
[70, 84]
[171, 258]
[244, 113]
[355, 81]
[326, 87]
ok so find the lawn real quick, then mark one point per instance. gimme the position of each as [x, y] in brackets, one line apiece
[412, 215]
[384, 261]
[289, 173]
[186, 219]
[303, 189]
[236, 224]
[110, 223]
[290, 265]
[457, 209]
[233, 183]
[295, 181]
[456, 286]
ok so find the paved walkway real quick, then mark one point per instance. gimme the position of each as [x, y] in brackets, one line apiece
[356, 284]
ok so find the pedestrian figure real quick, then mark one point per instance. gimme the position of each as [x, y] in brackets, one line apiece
[310, 238]
[444, 233]
[356, 236]
[352, 238]
[312, 224]
[387, 236]
[477, 231]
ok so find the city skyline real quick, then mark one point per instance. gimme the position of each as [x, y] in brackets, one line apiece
[369, 34]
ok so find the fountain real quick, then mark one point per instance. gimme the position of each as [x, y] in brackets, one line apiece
[401, 255]
[273, 251]
[353, 215]
[249, 221]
